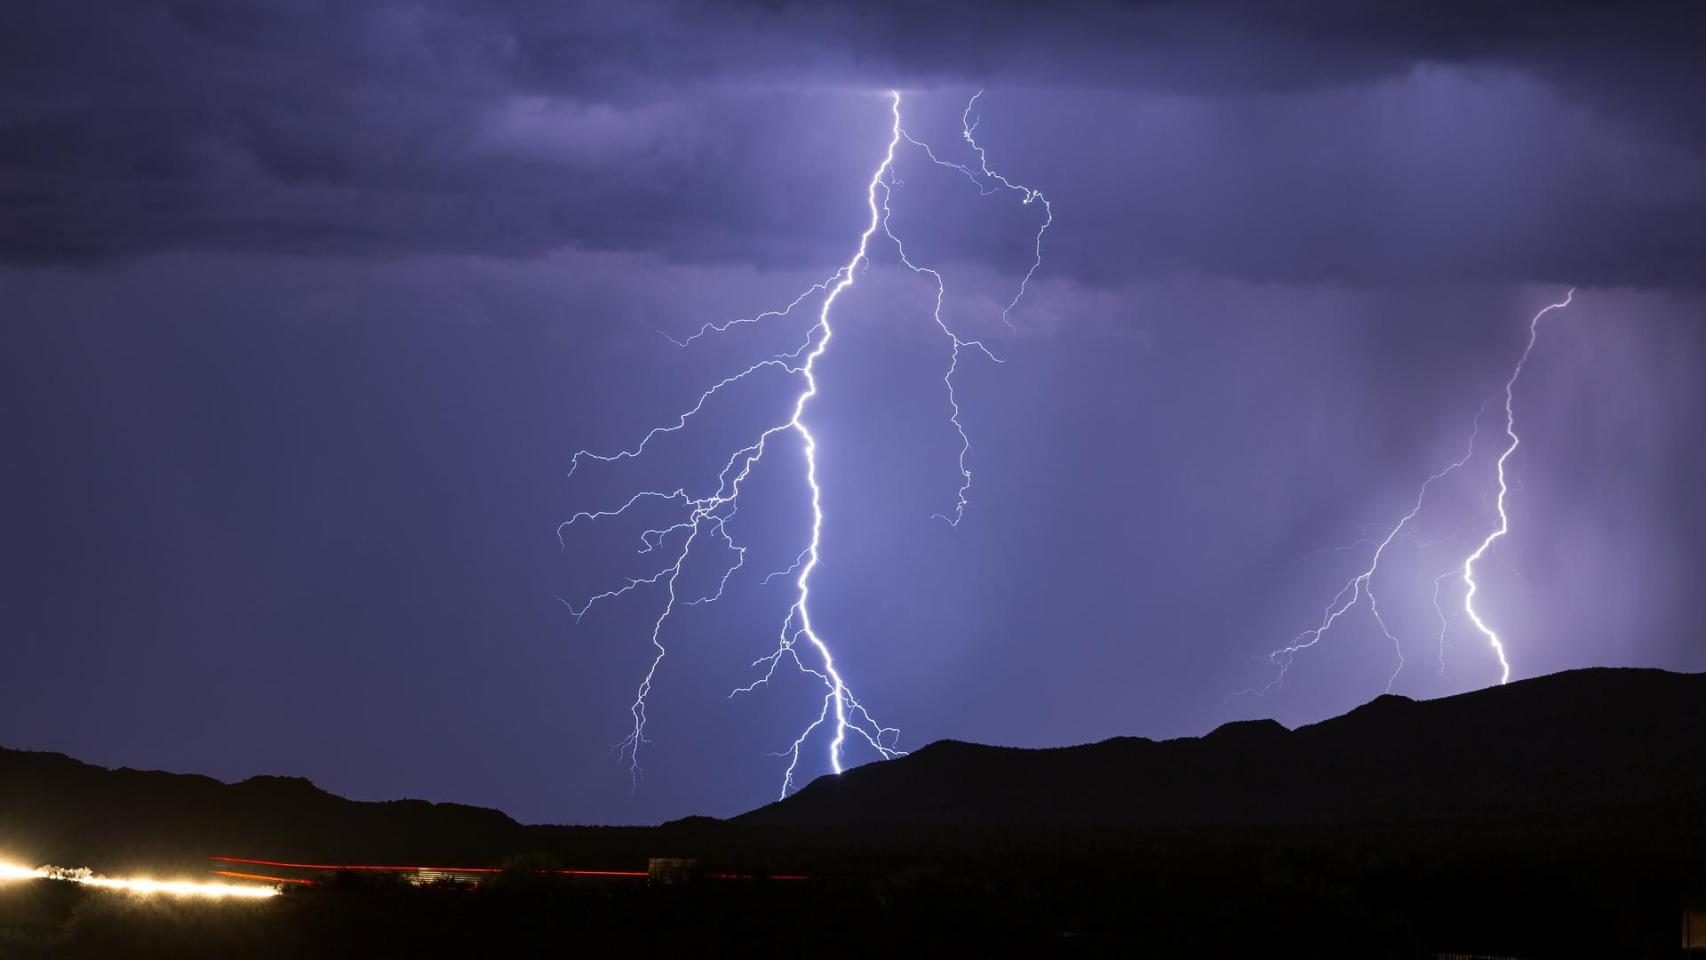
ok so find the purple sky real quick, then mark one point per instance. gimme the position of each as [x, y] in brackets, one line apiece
[306, 306]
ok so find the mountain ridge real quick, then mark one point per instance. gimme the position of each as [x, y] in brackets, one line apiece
[1589, 740]
[1549, 744]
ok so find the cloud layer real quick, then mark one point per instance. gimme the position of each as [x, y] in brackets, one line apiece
[1308, 141]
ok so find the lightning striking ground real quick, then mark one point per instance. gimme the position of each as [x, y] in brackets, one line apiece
[705, 517]
[1471, 588]
[1361, 585]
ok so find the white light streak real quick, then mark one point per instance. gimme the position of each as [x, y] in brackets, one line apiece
[141, 886]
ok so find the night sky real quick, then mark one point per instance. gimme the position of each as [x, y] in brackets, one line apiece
[306, 305]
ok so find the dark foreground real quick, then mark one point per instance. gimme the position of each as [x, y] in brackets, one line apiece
[1561, 817]
[1380, 897]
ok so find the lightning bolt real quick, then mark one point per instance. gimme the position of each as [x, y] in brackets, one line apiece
[1471, 588]
[1361, 585]
[705, 517]
[987, 182]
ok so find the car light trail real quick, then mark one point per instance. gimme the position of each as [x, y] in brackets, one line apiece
[453, 871]
[141, 886]
[267, 878]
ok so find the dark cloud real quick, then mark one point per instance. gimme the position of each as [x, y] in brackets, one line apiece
[695, 131]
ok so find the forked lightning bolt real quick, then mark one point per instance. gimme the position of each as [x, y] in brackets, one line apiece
[705, 517]
[1361, 586]
[987, 182]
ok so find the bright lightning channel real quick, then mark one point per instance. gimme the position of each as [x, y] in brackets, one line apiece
[706, 517]
[1471, 588]
[1361, 586]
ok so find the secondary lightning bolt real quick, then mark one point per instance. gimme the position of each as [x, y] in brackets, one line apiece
[1361, 585]
[1471, 587]
[707, 516]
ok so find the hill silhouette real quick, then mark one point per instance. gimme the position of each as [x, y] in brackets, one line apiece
[1559, 816]
[1561, 744]
[1577, 744]
[56, 809]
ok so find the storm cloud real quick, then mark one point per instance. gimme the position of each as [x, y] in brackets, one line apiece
[1539, 141]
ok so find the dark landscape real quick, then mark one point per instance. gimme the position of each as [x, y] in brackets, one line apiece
[1559, 816]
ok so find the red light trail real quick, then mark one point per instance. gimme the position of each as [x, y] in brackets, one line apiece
[395, 868]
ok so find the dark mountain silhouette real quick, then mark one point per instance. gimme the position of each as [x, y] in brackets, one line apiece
[1570, 744]
[56, 809]
[1561, 744]
[1560, 816]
